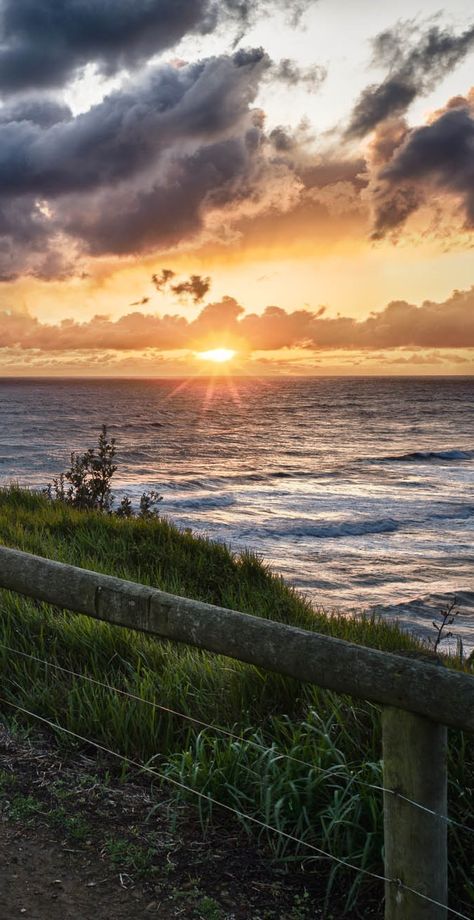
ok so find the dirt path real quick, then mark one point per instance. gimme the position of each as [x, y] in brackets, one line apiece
[76, 843]
[42, 880]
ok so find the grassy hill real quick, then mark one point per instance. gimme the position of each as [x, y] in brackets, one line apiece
[311, 753]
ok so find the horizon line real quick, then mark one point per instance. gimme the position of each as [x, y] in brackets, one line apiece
[191, 377]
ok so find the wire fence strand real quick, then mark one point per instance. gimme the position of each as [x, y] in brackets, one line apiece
[203, 796]
[235, 737]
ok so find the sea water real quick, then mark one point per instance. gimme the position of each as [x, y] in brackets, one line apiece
[358, 490]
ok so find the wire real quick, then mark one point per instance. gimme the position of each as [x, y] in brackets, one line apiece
[425, 897]
[175, 712]
[240, 814]
[235, 737]
[201, 795]
[429, 811]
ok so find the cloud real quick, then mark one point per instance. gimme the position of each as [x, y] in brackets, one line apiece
[431, 159]
[414, 70]
[246, 12]
[30, 242]
[181, 156]
[287, 71]
[43, 43]
[129, 130]
[162, 279]
[44, 112]
[196, 286]
[144, 168]
[449, 324]
[224, 180]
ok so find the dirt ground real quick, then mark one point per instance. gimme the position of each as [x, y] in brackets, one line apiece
[77, 843]
[42, 880]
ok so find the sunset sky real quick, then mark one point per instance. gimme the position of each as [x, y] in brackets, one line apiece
[292, 182]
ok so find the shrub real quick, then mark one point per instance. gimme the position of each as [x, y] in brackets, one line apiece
[86, 485]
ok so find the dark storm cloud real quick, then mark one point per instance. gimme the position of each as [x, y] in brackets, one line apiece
[24, 237]
[42, 112]
[412, 72]
[148, 165]
[436, 157]
[392, 97]
[142, 167]
[449, 324]
[44, 42]
[129, 129]
[216, 176]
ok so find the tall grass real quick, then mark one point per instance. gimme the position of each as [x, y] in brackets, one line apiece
[315, 796]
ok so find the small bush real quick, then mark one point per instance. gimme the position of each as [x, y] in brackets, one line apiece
[125, 509]
[148, 503]
[86, 485]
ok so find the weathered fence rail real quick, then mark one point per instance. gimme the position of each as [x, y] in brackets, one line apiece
[419, 698]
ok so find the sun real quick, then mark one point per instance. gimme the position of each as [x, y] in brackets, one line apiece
[219, 355]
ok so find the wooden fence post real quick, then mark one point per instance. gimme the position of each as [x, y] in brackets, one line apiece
[416, 852]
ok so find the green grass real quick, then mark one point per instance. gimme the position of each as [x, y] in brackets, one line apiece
[323, 804]
[129, 857]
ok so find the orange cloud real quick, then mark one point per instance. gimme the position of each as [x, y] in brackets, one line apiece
[449, 324]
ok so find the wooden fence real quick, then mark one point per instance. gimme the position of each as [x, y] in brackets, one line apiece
[419, 701]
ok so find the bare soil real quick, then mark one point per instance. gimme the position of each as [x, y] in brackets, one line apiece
[79, 843]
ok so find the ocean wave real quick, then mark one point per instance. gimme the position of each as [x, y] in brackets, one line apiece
[187, 485]
[242, 479]
[358, 528]
[142, 426]
[427, 456]
[327, 531]
[456, 513]
[206, 503]
[293, 474]
[416, 615]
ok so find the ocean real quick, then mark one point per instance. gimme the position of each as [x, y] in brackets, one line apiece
[358, 490]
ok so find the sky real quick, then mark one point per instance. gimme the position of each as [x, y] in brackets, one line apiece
[285, 187]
